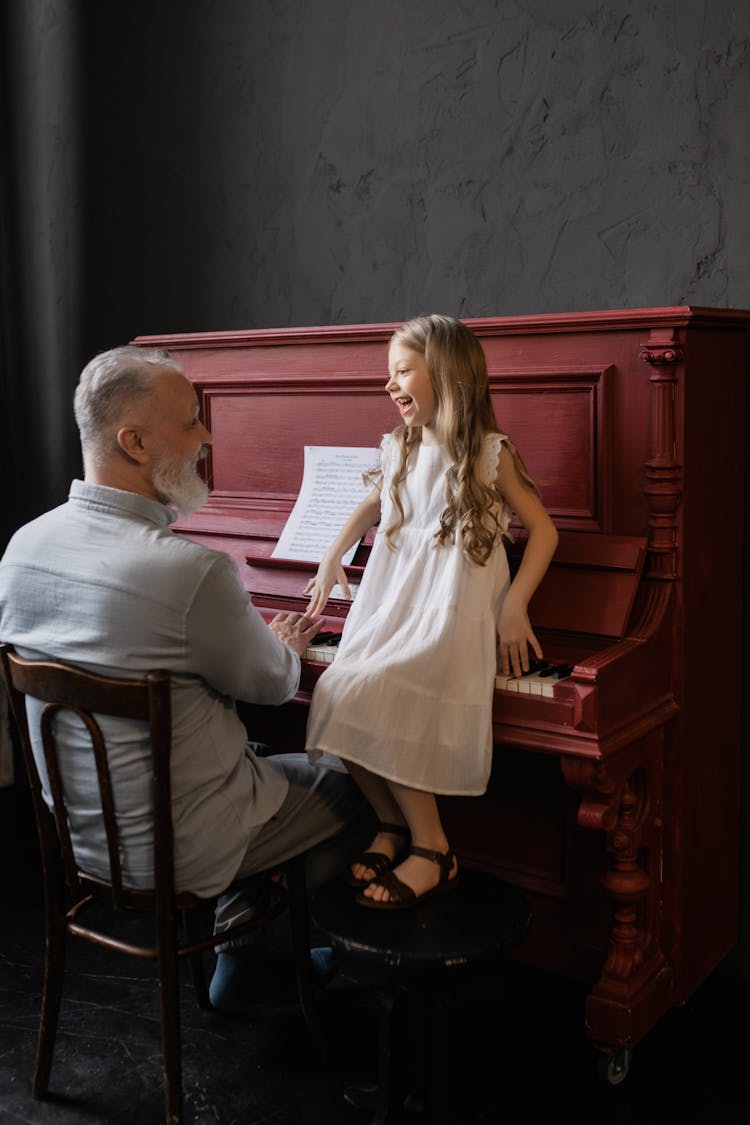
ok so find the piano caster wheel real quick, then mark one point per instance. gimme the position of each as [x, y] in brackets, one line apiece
[613, 1066]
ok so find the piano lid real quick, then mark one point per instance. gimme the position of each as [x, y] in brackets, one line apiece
[590, 586]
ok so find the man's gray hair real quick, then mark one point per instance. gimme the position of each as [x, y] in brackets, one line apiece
[111, 384]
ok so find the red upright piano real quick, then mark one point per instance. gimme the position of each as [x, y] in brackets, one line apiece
[615, 804]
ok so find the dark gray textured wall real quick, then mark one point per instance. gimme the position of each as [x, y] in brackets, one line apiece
[279, 163]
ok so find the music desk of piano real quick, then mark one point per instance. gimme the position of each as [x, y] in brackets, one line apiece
[615, 804]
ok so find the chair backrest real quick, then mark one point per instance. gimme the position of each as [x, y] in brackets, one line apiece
[62, 687]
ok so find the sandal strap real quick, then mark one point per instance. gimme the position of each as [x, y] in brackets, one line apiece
[444, 860]
[374, 861]
[398, 891]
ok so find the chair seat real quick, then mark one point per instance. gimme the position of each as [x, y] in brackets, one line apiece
[419, 957]
[476, 923]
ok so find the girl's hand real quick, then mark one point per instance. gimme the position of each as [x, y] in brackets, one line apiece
[330, 573]
[515, 637]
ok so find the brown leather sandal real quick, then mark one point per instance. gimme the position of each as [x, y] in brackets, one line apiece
[379, 862]
[401, 894]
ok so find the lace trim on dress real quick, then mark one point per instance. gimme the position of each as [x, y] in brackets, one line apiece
[493, 445]
[386, 454]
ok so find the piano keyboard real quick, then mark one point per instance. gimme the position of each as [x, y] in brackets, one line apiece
[539, 680]
[324, 649]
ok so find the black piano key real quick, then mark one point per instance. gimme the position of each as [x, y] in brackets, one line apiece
[557, 670]
[327, 639]
[541, 668]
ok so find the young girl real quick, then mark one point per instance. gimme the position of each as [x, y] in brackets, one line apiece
[407, 703]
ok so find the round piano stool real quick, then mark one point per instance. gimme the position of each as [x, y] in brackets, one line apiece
[418, 958]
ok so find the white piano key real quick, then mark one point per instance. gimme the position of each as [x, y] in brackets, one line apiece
[324, 654]
[337, 592]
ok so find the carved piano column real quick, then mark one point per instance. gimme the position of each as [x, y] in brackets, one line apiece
[626, 883]
[663, 489]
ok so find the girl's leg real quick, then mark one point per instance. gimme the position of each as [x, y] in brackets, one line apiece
[420, 812]
[378, 793]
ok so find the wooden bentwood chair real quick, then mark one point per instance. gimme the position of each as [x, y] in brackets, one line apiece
[62, 687]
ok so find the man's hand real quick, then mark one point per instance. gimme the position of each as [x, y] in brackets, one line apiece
[296, 630]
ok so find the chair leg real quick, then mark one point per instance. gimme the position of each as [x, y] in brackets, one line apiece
[300, 925]
[54, 963]
[198, 977]
[436, 1007]
[169, 1004]
[195, 961]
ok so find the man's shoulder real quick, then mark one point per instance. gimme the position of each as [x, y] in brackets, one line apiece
[123, 542]
[37, 527]
[179, 550]
[171, 567]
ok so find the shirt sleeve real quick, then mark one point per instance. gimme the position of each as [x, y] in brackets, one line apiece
[231, 646]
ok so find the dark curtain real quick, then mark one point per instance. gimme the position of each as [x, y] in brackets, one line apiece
[42, 249]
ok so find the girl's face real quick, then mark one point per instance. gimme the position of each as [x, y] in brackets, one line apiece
[410, 388]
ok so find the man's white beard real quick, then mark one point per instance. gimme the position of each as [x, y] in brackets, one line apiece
[177, 484]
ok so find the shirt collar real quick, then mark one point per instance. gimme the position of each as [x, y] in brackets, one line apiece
[115, 500]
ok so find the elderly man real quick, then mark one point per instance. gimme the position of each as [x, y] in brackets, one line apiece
[103, 582]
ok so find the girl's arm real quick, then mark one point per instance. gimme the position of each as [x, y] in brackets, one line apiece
[513, 626]
[330, 570]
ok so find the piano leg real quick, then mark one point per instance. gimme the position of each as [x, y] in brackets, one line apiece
[622, 798]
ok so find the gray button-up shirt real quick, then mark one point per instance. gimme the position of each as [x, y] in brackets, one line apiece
[102, 582]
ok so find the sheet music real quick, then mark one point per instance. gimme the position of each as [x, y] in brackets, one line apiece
[332, 487]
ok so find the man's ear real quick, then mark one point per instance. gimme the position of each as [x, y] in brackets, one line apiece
[131, 443]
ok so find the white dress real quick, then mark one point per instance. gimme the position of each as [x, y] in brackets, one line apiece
[409, 695]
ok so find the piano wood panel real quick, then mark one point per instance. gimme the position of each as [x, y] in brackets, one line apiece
[616, 803]
[257, 454]
[573, 472]
[257, 411]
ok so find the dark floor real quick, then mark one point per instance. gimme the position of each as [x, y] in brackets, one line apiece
[518, 1050]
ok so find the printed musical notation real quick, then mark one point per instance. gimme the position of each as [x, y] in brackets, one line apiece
[332, 486]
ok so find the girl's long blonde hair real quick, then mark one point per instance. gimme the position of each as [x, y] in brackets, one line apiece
[464, 415]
